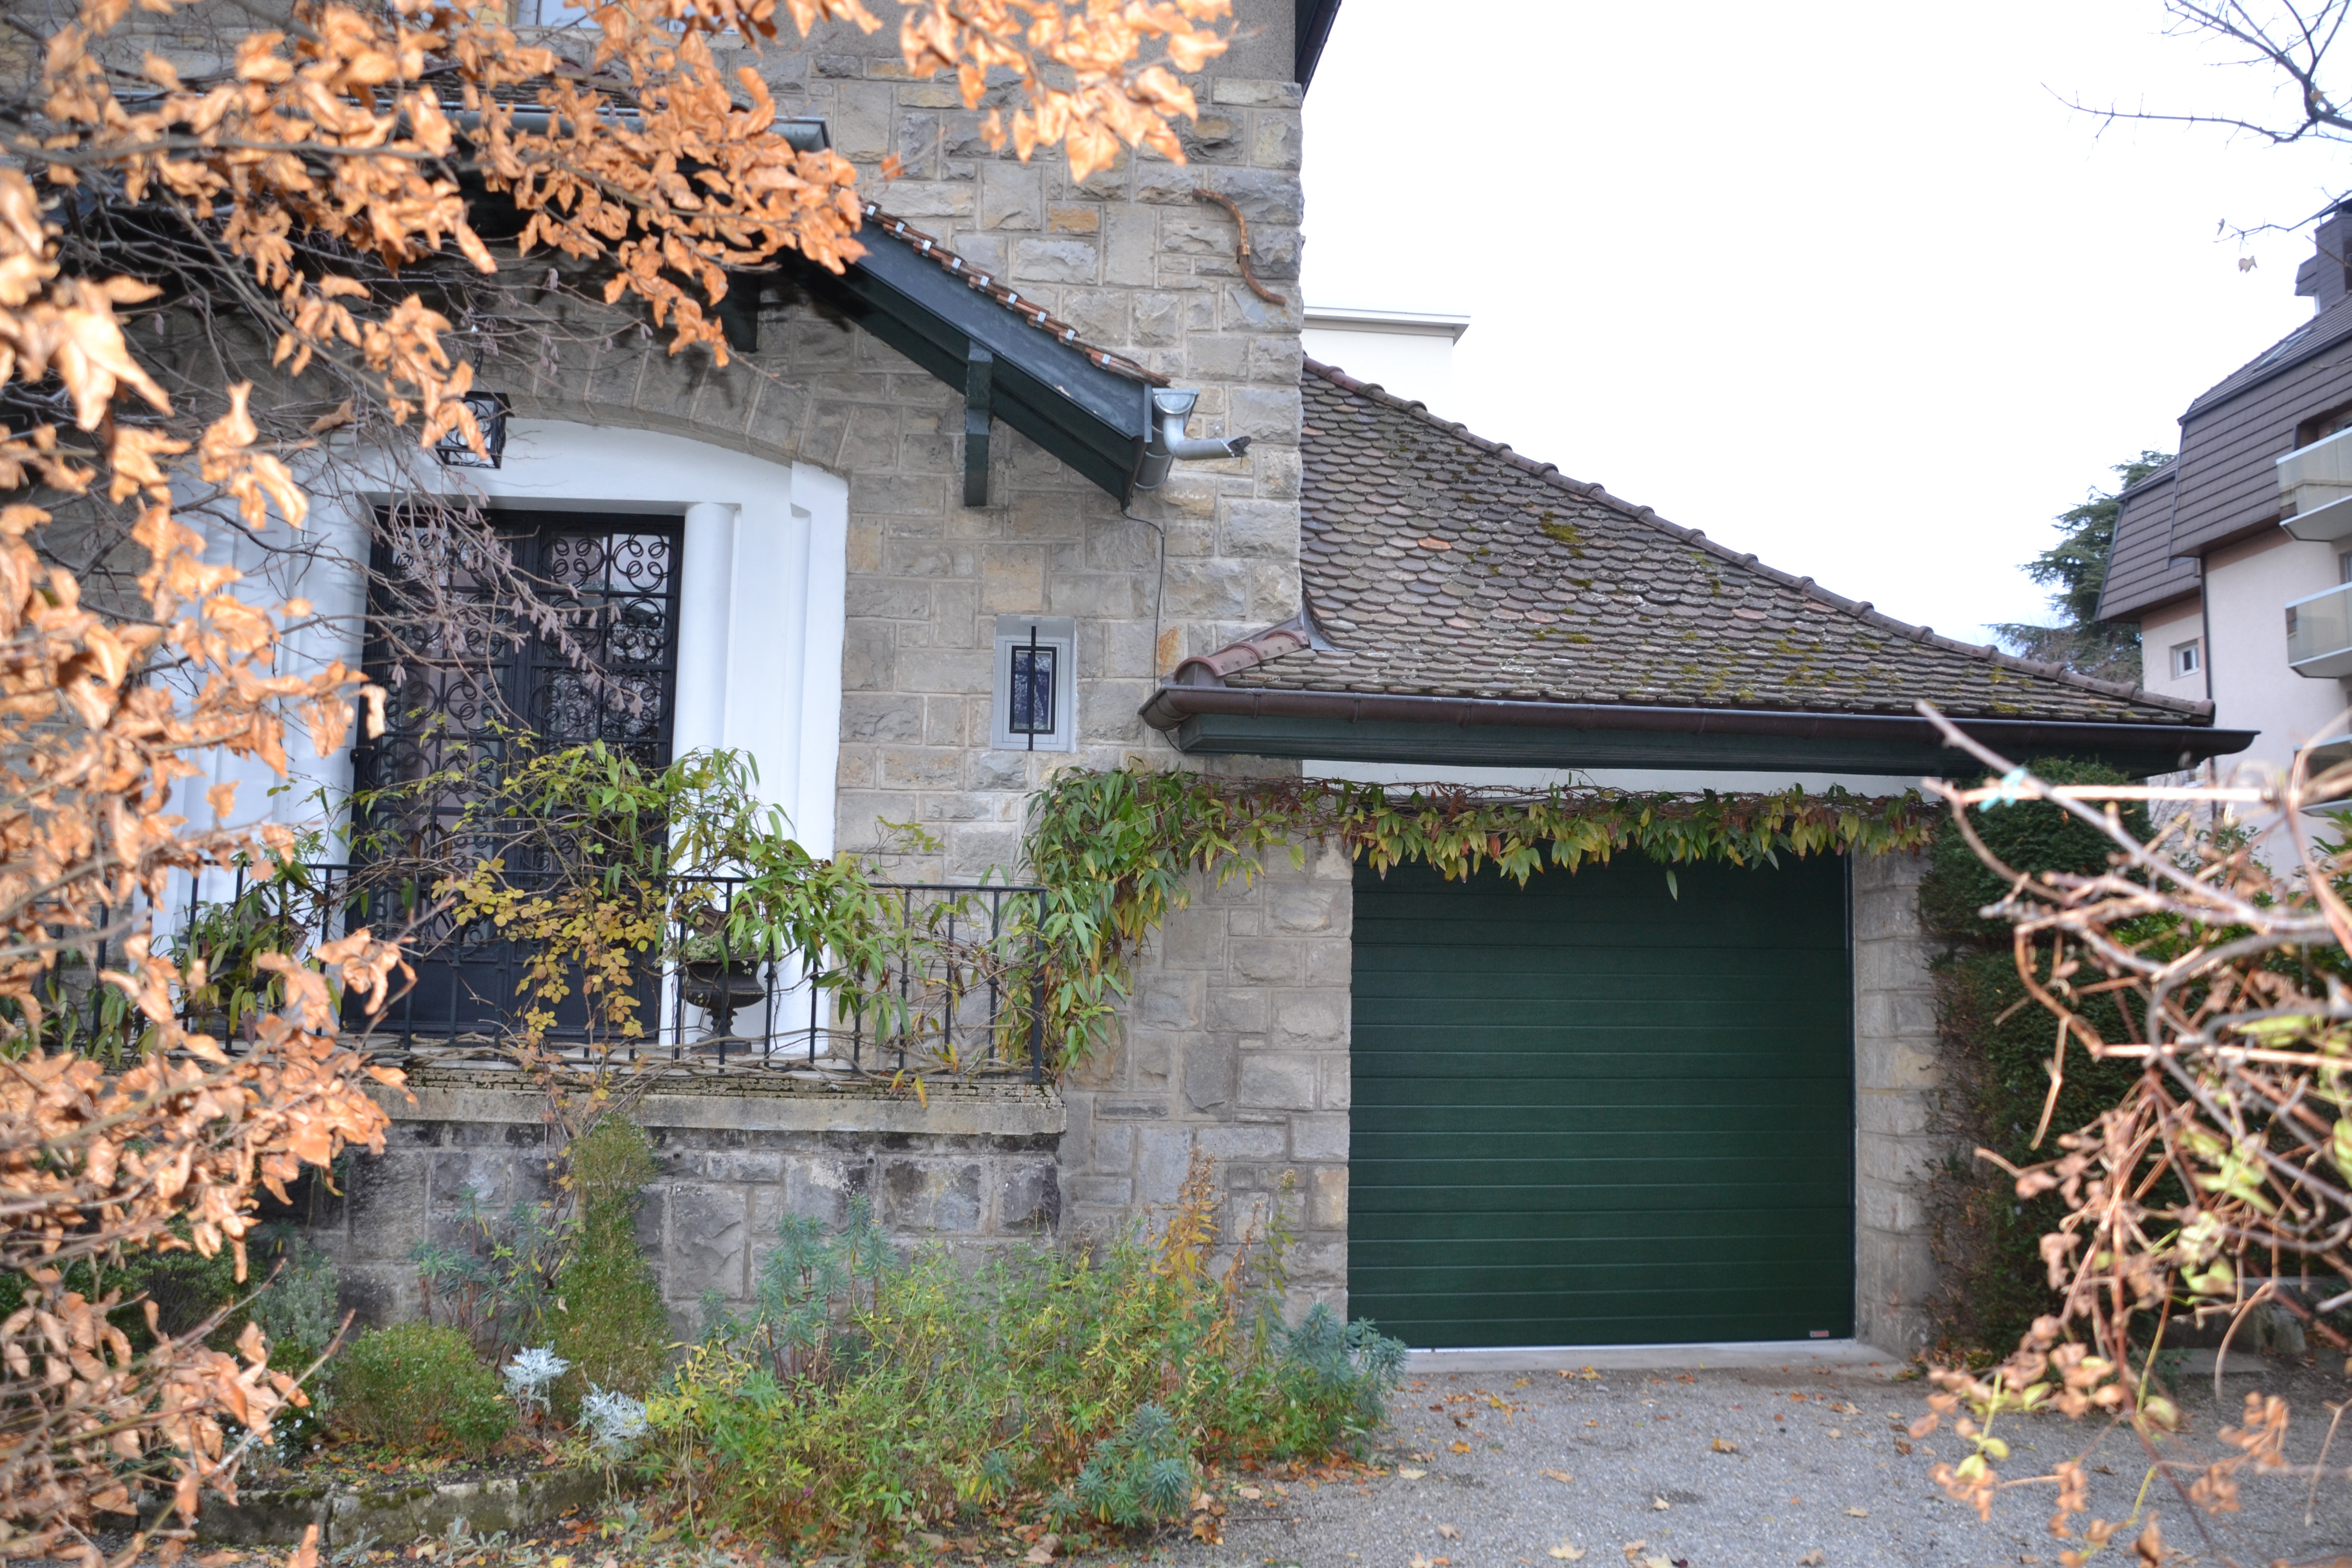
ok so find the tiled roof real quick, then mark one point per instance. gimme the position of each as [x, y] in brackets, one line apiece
[1026, 308]
[1436, 564]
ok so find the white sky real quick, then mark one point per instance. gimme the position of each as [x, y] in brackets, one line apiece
[1840, 284]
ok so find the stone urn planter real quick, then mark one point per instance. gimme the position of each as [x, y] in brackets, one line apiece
[722, 989]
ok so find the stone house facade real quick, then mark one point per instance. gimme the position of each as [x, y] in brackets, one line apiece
[1365, 592]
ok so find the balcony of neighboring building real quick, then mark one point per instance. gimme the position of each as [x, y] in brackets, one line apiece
[2315, 489]
[2319, 633]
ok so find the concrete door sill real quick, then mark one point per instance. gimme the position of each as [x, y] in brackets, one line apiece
[1793, 1355]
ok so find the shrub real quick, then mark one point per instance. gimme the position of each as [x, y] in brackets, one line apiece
[1996, 1045]
[497, 1283]
[186, 1288]
[299, 1310]
[417, 1385]
[1145, 1475]
[607, 1318]
[299, 1307]
[870, 1391]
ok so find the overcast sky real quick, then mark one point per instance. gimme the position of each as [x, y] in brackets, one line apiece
[1843, 284]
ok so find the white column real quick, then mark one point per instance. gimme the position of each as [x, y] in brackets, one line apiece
[705, 607]
[821, 504]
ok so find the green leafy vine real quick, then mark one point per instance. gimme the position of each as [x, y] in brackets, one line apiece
[1115, 850]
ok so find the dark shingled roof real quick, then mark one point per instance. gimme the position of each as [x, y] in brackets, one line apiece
[1437, 563]
[2329, 327]
[2142, 571]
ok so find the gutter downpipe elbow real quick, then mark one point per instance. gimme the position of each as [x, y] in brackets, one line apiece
[1167, 445]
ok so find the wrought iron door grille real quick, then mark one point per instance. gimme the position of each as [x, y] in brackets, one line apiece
[457, 711]
[454, 708]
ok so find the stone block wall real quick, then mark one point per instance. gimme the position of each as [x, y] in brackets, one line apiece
[1236, 1049]
[1898, 1083]
[1141, 267]
[970, 1170]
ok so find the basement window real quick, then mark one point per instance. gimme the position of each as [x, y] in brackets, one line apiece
[1035, 699]
[2187, 657]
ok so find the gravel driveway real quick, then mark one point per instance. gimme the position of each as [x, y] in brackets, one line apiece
[1728, 1469]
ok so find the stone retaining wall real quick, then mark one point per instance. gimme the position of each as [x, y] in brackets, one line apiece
[972, 1168]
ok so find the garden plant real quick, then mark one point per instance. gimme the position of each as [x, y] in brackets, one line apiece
[871, 1394]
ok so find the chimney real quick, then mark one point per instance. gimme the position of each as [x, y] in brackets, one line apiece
[2326, 277]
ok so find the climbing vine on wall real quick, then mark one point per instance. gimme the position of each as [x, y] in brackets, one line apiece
[1115, 849]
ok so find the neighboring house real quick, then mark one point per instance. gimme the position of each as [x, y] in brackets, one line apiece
[1409, 353]
[1614, 1106]
[2236, 558]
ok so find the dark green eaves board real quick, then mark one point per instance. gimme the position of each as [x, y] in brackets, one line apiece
[1589, 1112]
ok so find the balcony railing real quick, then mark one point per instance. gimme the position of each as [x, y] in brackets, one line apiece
[2315, 489]
[954, 996]
[2319, 633]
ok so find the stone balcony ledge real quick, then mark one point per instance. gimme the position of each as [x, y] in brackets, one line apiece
[751, 1102]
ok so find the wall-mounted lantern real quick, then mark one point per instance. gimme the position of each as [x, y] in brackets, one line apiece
[490, 409]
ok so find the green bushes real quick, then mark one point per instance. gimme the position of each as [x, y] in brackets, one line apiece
[1998, 1043]
[417, 1385]
[870, 1393]
[1144, 1475]
[607, 1316]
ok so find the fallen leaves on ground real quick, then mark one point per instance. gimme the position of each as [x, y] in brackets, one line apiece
[1409, 1475]
[1457, 1448]
[1562, 1477]
[1567, 1552]
[1811, 1560]
[1857, 1513]
[1720, 1447]
[1448, 1531]
[1659, 1504]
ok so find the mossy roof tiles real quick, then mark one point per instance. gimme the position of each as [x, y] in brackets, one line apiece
[1437, 563]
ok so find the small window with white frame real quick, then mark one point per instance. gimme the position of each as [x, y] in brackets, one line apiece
[2187, 657]
[1035, 699]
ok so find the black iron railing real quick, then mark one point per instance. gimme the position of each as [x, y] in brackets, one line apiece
[951, 989]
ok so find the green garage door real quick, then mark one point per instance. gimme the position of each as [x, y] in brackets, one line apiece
[1588, 1111]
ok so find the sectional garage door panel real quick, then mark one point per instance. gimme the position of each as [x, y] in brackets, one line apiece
[1590, 1110]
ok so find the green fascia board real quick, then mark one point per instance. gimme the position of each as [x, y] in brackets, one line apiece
[1093, 420]
[1500, 745]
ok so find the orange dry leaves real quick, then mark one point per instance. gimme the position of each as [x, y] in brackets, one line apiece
[352, 127]
[1115, 100]
[100, 717]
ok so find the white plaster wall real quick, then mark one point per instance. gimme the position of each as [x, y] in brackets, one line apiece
[1414, 365]
[2159, 631]
[2247, 588]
